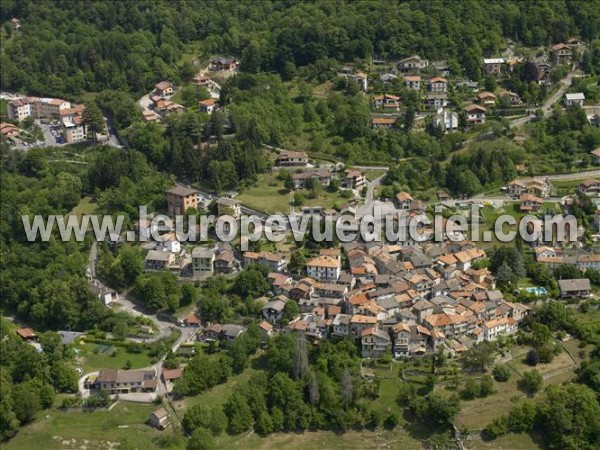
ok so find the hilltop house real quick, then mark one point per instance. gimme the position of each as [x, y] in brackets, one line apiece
[562, 54]
[114, 381]
[159, 419]
[589, 187]
[374, 342]
[413, 82]
[577, 288]
[493, 66]
[203, 259]
[575, 99]
[354, 179]
[437, 84]
[475, 114]
[290, 158]
[207, 106]
[412, 64]
[164, 88]
[226, 205]
[225, 64]
[158, 260]
[530, 203]
[383, 122]
[180, 198]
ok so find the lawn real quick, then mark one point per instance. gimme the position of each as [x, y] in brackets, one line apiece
[85, 206]
[94, 357]
[269, 195]
[512, 441]
[374, 174]
[122, 427]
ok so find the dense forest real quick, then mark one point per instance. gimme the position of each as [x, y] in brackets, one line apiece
[65, 49]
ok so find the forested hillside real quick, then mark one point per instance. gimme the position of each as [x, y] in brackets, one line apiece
[63, 49]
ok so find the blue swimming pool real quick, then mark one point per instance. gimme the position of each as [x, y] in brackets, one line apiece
[537, 290]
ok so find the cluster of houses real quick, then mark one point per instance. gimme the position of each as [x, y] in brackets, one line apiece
[430, 80]
[407, 300]
[554, 257]
[530, 193]
[69, 115]
[351, 178]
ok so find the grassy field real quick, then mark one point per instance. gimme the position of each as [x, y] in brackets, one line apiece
[511, 441]
[91, 357]
[476, 414]
[122, 427]
[398, 438]
[374, 174]
[269, 195]
[85, 206]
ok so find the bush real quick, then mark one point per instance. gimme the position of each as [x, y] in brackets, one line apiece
[498, 427]
[501, 373]
[533, 358]
[531, 382]
[391, 421]
[486, 386]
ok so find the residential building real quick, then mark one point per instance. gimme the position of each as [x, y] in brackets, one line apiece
[266, 329]
[486, 99]
[158, 260]
[437, 84]
[163, 88]
[404, 200]
[273, 310]
[562, 54]
[413, 82]
[207, 106]
[596, 156]
[180, 198]
[576, 288]
[589, 187]
[203, 259]
[225, 64]
[574, 99]
[38, 108]
[492, 329]
[275, 262]
[159, 419]
[354, 179]
[229, 206]
[530, 203]
[446, 120]
[386, 101]
[290, 158]
[493, 66]
[374, 342]
[27, 334]
[115, 381]
[383, 122]
[436, 99]
[225, 261]
[324, 268]
[73, 129]
[412, 64]
[475, 114]
[322, 176]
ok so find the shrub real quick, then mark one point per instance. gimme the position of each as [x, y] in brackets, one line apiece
[501, 373]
